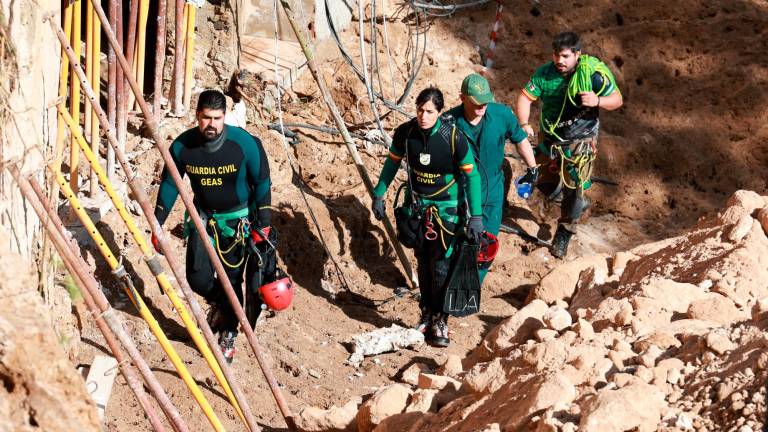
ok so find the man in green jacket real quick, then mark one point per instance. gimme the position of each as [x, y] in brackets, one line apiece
[573, 87]
[488, 125]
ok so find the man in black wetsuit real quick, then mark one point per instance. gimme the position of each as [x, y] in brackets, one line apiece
[229, 174]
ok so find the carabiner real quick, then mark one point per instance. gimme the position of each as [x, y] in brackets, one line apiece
[431, 234]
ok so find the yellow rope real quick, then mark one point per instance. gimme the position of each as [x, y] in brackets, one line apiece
[239, 240]
[582, 163]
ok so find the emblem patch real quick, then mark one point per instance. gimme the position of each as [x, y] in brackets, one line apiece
[424, 158]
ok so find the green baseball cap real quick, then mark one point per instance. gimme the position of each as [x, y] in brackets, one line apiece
[477, 89]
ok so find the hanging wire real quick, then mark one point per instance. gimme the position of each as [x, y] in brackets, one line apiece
[440, 9]
[300, 180]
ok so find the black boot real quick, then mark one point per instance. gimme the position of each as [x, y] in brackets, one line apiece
[424, 322]
[560, 242]
[440, 335]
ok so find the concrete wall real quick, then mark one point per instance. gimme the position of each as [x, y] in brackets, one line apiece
[30, 131]
[258, 18]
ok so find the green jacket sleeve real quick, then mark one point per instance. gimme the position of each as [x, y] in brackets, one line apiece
[469, 171]
[168, 192]
[392, 164]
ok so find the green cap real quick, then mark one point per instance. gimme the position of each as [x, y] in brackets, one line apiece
[477, 89]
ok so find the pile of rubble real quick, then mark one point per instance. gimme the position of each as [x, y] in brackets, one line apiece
[668, 336]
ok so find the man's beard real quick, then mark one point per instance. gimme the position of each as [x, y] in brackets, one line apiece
[210, 138]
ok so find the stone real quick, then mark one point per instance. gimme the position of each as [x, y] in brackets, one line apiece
[411, 375]
[452, 366]
[648, 358]
[437, 382]
[586, 332]
[422, 400]
[386, 401]
[335, 418]
[741, 228]
[748, 200]
[513, 330]
[536, 396]
[634, 406]
[557, 319]
[620, 261]
[543, 335]
[716, 308]
[719, 342]
[762, 217]
[560, 283]
[660, 338]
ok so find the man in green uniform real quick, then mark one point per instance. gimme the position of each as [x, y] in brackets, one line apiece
[573, 87]
[229, 175]
[488, 125]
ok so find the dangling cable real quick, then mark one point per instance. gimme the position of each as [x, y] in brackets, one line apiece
[339, 272]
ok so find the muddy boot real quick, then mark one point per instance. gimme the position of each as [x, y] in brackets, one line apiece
[439, 330]
[560, 242]
[215, 318]
[227, 344]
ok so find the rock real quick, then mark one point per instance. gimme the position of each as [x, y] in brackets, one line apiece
[411, 375]
[648, 358]
[684, 422]
[557, 319]
[423, 400]
[560, 283]
[486, 377]
[438, 382]
[331, 420]
[543, 335]
[513, 330]
[762, 216]
[719, 342]
[624, 379]
[586, 332]
[383, 340]
[385, 402]
[452, 366]
[660, 338]
[724, 390]
[715, 308]
[536, 396]
[634, 406]
[620, 261]
[547, 355]
[748, 200]
[741, 228]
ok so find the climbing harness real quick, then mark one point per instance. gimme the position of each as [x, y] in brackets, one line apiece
[575, 166]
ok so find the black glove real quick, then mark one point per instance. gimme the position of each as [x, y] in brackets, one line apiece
[531, 174]
[475, 228]
[378, 208]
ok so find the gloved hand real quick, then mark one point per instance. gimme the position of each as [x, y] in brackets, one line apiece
[156, 244]
[475, 228]
[257, 237]
[378, 208]
[531, 175]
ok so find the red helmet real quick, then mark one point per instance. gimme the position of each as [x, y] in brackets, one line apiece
[489, 247]
[277, 295]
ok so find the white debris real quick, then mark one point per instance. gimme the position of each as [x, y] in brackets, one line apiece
[383, 340]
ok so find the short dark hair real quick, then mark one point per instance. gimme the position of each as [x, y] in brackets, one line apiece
[566, 40]
[430, 94]
[212, 99]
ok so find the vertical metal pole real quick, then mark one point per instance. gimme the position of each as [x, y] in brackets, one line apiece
[190, 51]
[122, 72]
[111, 87]
[178, 63]
[96, 82]
[74, 151]
[101, 308]
[130, 49]
[127, 370]
[141, 44]
[159, 56]
[186, 198]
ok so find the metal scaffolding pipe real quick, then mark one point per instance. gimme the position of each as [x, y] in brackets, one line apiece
[186, 198]
[189, 51]
[159, 56]
[111, 87]
[74, 100]
[141, 45]
[100, 306]
[178, 61]
[141, 197]
[125, 368]
[130, 49]
[347, 137]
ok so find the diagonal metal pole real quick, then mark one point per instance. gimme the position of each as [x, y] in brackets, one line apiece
[100, 305]
[128, 372]
[141, 197]
[186, 197]
[347, 137]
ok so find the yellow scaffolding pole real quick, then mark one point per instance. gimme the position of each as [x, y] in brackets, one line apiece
[63, 80]
[74, 155]
[141, 46]
[160, 275]
[190, 51]
[119, 271]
